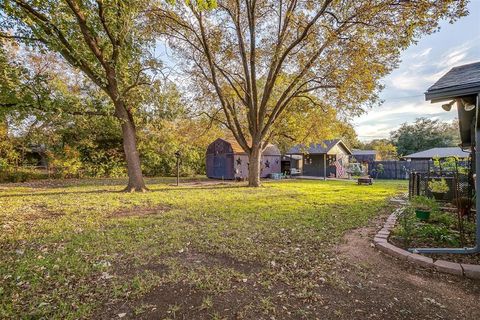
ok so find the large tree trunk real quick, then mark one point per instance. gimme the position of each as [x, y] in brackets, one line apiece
[254, 167]
[134, 168]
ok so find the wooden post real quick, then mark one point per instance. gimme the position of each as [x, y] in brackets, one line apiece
[177, 155]
[325, 166]
[178, 171]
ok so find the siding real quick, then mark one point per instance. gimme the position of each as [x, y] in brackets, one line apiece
[313, 165]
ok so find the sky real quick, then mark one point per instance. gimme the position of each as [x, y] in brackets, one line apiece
[422, 64]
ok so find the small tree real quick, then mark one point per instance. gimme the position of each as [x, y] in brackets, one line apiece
[254, 57]
[424, 134]
[379, 170]
[385, 149]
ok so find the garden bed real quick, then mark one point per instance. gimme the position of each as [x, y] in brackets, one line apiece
[441, 230]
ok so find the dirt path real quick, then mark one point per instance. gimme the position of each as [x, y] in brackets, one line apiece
[362, 283]
[398, 290]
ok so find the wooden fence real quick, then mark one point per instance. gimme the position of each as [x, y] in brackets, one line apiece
[397, 169]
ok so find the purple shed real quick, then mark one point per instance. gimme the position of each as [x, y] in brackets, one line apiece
[227, 160]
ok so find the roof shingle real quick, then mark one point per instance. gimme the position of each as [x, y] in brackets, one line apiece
[461, 77]
[317, 148]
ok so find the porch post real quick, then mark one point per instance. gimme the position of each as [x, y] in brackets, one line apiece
[477, 175]
[325, 166]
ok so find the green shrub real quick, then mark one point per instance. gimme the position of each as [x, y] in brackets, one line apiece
[438, 186]
[437, 234]
[424, 203]
[445, 218]
[67, 163]
[21, 175]
[440, 230]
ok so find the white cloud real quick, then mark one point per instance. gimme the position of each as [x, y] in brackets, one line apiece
[425, 52]
[417, 107]
[422, 65]
[407, 81]
[380, 121]
[455, 56]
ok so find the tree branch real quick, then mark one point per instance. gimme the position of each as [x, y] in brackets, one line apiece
[113, 40]
[68, 52]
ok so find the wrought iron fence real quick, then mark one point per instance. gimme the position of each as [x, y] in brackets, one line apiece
[460, 186]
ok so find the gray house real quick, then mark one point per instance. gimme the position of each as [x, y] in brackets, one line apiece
[461, 86]
[364, 155]
[329, 158]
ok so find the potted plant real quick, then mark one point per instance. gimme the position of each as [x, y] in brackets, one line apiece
[423, 206]
[438, 188]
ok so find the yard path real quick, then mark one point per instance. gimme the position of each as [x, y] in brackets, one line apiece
[398, 290]
[363, 283]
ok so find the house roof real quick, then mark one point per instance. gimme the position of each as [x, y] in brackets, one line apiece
[459, 81]
[358, 152]
[318, 148]
[439, 153]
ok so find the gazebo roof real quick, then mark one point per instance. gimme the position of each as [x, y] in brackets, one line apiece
[439, 153]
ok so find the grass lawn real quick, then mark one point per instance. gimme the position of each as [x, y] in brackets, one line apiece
[81, 249]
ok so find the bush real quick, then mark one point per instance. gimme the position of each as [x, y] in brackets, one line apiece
[440, 230]
[424, 203]
[438, 234]
[67, 163]
[438, 186]
[21, 175]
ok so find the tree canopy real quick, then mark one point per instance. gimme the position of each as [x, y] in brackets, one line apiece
[425, 134]
[106, 40]
[385, 149]
[256, 57]
[46, 103]
[282, 71]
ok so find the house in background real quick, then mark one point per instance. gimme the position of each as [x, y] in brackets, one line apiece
[440, 153]
[329, 158]
[364, 156]
[227, 160]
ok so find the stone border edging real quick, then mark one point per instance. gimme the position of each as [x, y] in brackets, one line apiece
[380, 240]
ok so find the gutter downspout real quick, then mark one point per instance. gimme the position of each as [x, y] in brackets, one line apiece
[475, 249]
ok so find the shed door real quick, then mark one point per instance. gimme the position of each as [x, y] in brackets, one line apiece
[220, 166]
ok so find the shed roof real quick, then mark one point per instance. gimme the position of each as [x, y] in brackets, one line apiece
[236, 147]
[270, 150]
[440, 153]
[319, 148]
[459, 81]
[358, 152]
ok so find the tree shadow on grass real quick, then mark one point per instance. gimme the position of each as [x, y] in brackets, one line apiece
[101, 191]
